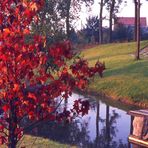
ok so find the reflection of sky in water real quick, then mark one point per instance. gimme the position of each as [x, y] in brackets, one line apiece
[111, 131]
[122, 123]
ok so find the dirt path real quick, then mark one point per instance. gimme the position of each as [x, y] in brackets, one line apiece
[144, 52]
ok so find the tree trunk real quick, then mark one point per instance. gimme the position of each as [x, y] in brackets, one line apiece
[100, 23]
[107, 126]
[97, 120]
[135, 27]
[97, 124]
[67, 19]
[12, 139]
[138, 31]
[110, 19]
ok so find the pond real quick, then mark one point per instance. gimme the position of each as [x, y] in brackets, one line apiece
[107, 125]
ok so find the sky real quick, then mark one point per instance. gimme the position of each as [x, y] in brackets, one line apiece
[125, 11]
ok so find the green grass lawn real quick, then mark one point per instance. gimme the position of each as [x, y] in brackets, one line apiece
[124, 77]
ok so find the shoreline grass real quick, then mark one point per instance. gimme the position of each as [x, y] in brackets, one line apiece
[124, 77]
[29, 141]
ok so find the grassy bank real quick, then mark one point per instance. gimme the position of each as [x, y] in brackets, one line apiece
[124, 77]
[39, 142]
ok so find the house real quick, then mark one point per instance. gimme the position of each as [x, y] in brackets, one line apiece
[130, 22]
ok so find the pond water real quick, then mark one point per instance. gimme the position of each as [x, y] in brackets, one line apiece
[105, 126]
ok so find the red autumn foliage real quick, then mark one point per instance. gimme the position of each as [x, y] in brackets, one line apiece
[33, 75]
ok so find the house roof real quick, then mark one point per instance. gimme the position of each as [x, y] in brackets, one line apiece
[130, 21]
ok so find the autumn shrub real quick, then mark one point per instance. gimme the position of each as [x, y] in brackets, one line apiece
[33, 75]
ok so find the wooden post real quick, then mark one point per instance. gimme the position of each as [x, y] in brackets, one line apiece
[138, 31]
[138, 135]
[135, 27]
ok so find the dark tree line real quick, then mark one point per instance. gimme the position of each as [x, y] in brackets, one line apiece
[56, 18]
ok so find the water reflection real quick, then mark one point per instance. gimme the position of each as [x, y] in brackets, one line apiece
[104, 127]
[106, 137]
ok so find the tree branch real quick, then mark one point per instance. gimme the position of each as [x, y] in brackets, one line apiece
[37, 122]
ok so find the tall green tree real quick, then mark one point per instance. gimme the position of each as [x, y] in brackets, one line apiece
[135, 27]
[69, 11]
[102, 3]
[65, 7]
[57, 16]
[113, 8]
[92, 29]
[49, 22]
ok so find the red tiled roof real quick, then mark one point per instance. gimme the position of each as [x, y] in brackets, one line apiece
[131, 20]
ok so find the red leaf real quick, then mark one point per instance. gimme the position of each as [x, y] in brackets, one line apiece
[31, 95]
[1, 128]
[5, 108]
[26, 31]
[16, 87]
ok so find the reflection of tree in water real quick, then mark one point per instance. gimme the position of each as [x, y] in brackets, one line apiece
[72, 133]
[77, 133]
[105, 137]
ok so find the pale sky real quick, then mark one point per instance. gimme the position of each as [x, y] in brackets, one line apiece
[125, 11]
